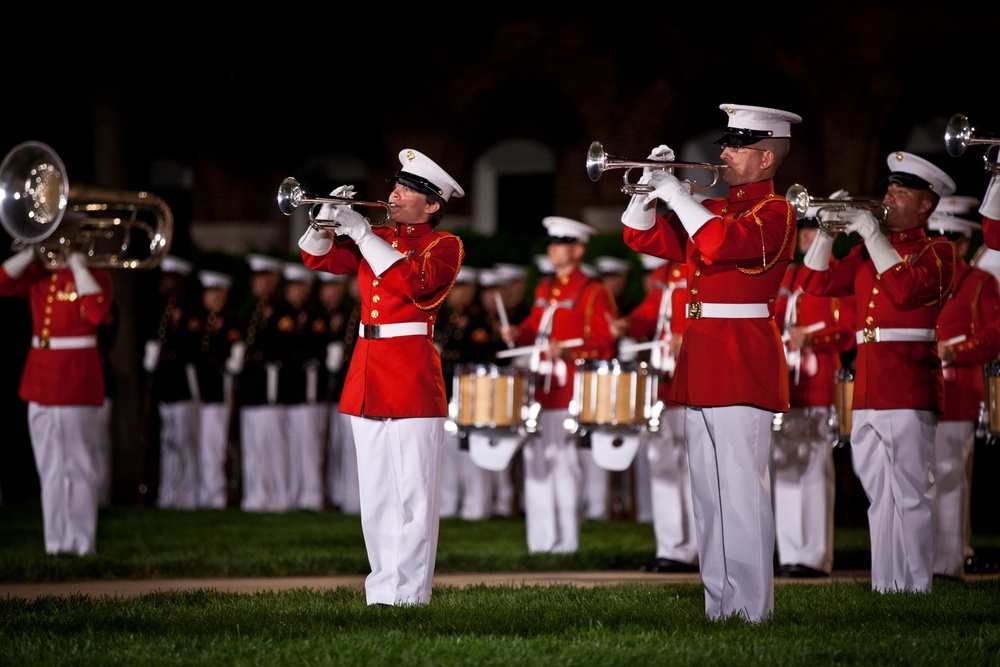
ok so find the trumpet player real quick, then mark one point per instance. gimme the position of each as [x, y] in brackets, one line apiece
[405, 271]
[730, 373]
[901, 280]
[63, 385]
[968, 331]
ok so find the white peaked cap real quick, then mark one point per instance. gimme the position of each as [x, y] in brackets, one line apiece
[565, 228]
[491, 278]
[424, 175]
[956, 205]
[913, 171]
[543, 264]
[259, 263]
[944, 222]
[298, 273]
[214, 280]
[466, 274]
[511, 271]
[174, 264]
[325, 277]
[651, 263]
[749, 124]
[608, 264]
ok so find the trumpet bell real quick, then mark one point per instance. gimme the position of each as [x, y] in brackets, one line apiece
[33, 191]
[38, 208]
[957, 134]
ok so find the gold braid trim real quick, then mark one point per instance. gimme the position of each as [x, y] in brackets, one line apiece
[425, 254]
[943, 292]
[784, 242]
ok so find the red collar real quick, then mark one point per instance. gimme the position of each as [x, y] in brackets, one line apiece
[412, 230]
[751, 191]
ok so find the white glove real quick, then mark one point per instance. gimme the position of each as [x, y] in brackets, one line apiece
[317, 242]
[991, 200]
[661, 153]
[16, 265]
[883, 255]
[86, 284]
[840, 194]
[639, 214]
[351, 223]
[152, 355]
[818, 256]
[334, 356]
[677, 196]
[864, 225]
[327, 211]
[237, 353]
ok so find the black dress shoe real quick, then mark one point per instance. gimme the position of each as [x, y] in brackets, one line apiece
[800, 571]
[667, 565]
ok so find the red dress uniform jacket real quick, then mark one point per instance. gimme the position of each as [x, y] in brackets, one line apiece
[991, 233]
[740, 256]
[821, 361]
[401, 376]
[584, 306]
[68, 376]
[972, 310]
[894, 375]
[644, 318]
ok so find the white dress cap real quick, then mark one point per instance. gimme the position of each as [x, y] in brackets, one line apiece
[543, 264]
[651, 263]
[567, 229]
[490, 278]
[945, 222]
[421, 173]
[260, 263]
[325, 277]
[749, 124]
[174, 264]
[298, 273]
[466, 274]
[589, 270]
[606, 264]
[913, 171]
[956, 205]
[511, 271]
[214, 280]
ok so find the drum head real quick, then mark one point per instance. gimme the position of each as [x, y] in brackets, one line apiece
[613, 451]
[491, 451]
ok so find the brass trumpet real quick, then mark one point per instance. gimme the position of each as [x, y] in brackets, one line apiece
[959, 135]
[598, 162]
[291, 196]
[39, 209]
[830, 213]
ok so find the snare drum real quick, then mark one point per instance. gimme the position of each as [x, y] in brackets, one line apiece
[612, 393]
[843, 399]
[991, 374]
[490, 396]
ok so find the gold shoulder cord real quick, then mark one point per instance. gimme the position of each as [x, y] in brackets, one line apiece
[763, 248]
[942, 291]
[425, 255]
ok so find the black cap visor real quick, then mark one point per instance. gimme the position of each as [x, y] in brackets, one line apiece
[414, 182]
[909, 181]
[737, 136]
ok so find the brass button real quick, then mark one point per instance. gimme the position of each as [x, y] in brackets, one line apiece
[374, 314]
[376, 298]
[375, 283]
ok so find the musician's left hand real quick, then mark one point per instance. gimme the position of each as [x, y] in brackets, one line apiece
[666, 187]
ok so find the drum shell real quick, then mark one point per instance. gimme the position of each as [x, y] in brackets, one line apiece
[613, 393]
[991, 395]
[490, 396]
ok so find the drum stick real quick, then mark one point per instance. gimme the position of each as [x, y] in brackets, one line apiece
[812, 328]
[502, 313]
[637, 347]
[528, 349]
[956, 340]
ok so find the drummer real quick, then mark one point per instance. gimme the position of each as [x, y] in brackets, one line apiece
[568, 305]
[967, 339]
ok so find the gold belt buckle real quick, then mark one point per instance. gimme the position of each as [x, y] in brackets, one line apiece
[694, 310]
[43, 343]
[870, 334]
[373, 331]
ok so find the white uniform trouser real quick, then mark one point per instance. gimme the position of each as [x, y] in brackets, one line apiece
[451, 483]
[179, 476]
[475, 483]
[62, 439]
[953, 445]
[804, 485]
[213, 440]
[342, 479]
[670, 488]
[552, 478]
[641, 483]
[595, 490]
[305, 425]
[501, 490]
[399, 467]
[893, 452]
[264, 458]
[103, 452]
[729, 452]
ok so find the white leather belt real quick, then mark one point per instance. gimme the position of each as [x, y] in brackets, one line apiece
[698, 310]
[64, 342]
[882, 335]
[377, 331]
